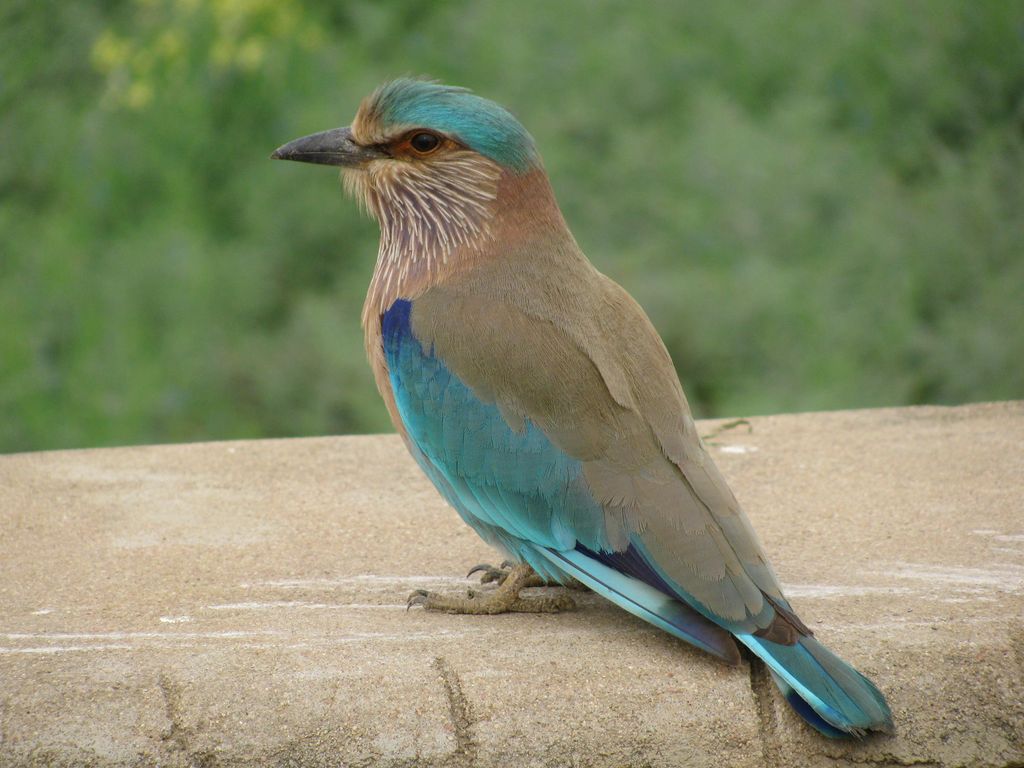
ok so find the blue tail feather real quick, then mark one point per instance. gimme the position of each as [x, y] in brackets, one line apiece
[804, 710]
[823, 689]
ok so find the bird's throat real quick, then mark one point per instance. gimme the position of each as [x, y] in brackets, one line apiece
[434, 229]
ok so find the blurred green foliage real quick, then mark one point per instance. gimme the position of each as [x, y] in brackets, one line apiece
[821, 205]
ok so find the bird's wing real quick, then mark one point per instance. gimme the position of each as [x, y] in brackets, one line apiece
[586, 371]
[515, 487]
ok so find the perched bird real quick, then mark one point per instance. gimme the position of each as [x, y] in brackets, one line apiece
[537, 396]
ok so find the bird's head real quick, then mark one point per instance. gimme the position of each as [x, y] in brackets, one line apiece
[426, 160]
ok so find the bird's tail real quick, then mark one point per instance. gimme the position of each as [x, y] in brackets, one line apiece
[827, 692]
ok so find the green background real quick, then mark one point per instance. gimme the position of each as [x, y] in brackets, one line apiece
[821, 205]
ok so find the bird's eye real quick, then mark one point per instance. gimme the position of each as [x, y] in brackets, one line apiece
[424, 143]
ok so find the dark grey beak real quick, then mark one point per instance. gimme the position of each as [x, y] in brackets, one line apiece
[334, 147]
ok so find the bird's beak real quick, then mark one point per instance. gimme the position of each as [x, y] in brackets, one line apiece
[334, 147]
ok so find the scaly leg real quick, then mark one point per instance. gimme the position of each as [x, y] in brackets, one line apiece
[504, 598]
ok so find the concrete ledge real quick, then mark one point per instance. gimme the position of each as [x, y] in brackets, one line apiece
[243, 604]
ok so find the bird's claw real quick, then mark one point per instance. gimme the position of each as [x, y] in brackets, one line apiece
[418, 597]
[490, 573]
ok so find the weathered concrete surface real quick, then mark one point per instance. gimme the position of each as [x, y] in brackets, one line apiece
[243, 604]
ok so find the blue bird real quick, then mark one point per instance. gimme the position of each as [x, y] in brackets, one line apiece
[537, 396]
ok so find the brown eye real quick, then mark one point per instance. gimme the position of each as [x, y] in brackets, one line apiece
[424, 143]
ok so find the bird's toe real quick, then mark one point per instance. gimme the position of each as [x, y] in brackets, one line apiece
[418, 597]
[490, 574]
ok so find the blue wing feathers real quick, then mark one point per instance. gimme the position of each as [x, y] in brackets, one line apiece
[631, 563]
[647, 603]
[518, 481]
[522, 493]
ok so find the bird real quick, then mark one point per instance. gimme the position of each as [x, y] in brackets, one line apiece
[537, 396]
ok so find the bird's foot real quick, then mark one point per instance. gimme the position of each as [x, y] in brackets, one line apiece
[504, 598]
[491, 575]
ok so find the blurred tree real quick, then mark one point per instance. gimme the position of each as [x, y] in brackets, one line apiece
[819, 205]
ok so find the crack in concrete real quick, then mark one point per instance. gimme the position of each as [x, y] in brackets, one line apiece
[1014, 733]
[761, 687]
[178, 736]
[175, 735]
[459, 711]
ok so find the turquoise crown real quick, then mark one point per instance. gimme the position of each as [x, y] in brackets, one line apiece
[480, 124]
